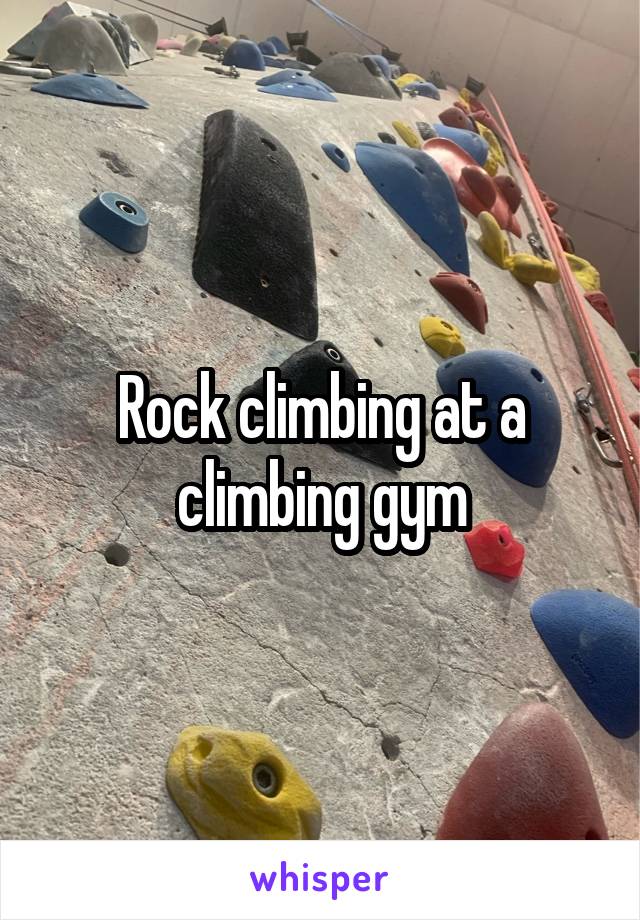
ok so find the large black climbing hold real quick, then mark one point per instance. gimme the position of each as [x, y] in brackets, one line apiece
[306, 56]
[296, 39]
[498, 374]
[474, 86]
[593, 637]
[350, 73]
[307, 371]
[418, 190]
[254, 246]
[218, 28]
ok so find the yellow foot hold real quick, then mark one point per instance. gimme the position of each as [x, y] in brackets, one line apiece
[239, 786]
[586, 274]
[528, 269]
[495, 150]
[493, 241]
[407, 134]
[443, 337]
[407, 78]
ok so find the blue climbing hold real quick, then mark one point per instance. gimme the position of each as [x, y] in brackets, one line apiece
[267, 47]
[422, 88]
[418, 190]
[118, 219]
[285, 63]
[244, 53]
[278, 44]
[308, 89]
[90, 87]
[382, 63]
[593, 638]
[498, 374]
[338, 156]
[291, 76]
[474, 144]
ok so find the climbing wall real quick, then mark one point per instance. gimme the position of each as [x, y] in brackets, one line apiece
[380, 677]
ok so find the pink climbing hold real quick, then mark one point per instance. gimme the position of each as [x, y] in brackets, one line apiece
[495, 550]
[169, 44]
[634, 376]
[635, 418]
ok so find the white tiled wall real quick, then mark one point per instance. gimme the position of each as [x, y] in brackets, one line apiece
[564, 71]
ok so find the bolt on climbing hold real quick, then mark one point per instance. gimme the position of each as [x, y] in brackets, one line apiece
[470, 142]
[300, 89]
[593, 638]
[584, 272]
[407, 134]
[421, 88]
[492, 240]
[465, 295]
[529, 269]
[234, 785]
[406, 78]
[443, 337]
[495, 550]
[425, 130]
[498, 799]
[387, 138]
[337, 156]
[90, 87]
[634, 376]
[244, 54]
[454, 117]
[118, 219]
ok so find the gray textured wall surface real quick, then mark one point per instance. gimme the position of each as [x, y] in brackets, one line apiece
[102, 666]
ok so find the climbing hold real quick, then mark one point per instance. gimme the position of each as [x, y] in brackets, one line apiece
[635, 418]
[492, 240]
[551, 207]
[463, 105]
[474, 86]
[169, 44]
[493, 142]
[530, 781]
[387, 138]
[565, 239]
[144, 29]
[307, 371]
[511, 191]
[437, 79]
[223, 42]
[90, 87]
[307, 56]
[295, 39]
[243, 53]
[425, 129]
[300, 89]
[219, 27]
[382, 63]
[278, 44]
[465, 295]
[407, 134]
[254, 246]
[118, 219]
[407, 78]
[443, 337]
[454, 118]
[291, 76]
[337, 155]
[79, 43]
[585, 273]
[233, 785]
[418, 190]
[120, 35]
[192, 44]
[422, 88]
[348, 73]
[491, 165]
[495, 550]
[593, 638]
[498, 374]
[529, 269]
[475, 189]
[268, 47]
[481, 116]
[634, 376]
[470, 142]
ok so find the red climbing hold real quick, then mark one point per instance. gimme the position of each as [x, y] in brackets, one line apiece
[511, 191]
[530, 781]
[486, 119]
[465, 295]
[565, 240]
[551, 207]
[495, 550]
[600, 303]
[634, 376]
[453, 117]
[475, 189]
[635, 418]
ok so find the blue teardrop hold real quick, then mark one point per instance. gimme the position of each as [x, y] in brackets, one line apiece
[288, 75]
[307, 89]
[498, 374]
[419, 191]
[118, 219]
[474, 144]
[278, 44]
[593, 638]
[337, 155]
[243, 53]
[90, 87]
[267, 47]
[422, 89]
[382, 63]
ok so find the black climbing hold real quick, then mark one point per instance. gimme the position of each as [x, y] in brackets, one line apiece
[218, 28]
[348, 73]
[307, 370]
[254, 246]
[295, 39]
[338, 156]
[437, 79]
[425, 129]
[307, 56]
[120, 35]
[474, 86]
[392, 56]
[118, 219]
[387, 138]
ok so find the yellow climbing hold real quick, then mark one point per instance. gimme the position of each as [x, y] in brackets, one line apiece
[493, 241]
[491, 164]
[442, 336]
[586, 274]
[463, 102]
[529, 269]
[407, 134]
[465, 95]
[233, 785]
[495, 148]
[407, 78]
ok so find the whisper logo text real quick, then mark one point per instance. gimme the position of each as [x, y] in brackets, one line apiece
[333, 882]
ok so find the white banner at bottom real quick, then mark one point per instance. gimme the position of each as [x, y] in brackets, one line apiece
[240, 880]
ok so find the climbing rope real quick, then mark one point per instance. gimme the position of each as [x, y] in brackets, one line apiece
[356, 31]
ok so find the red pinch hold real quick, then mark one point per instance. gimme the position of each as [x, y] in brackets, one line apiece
[600, 303]
[454, 117]
[465, 295]
[495, 550]
[511, 191]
